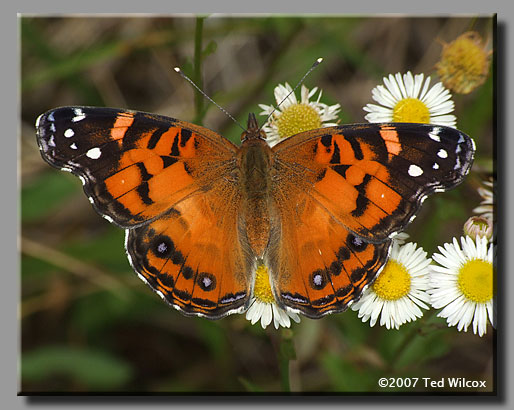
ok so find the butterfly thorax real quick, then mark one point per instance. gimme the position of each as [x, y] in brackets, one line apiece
[255, 165]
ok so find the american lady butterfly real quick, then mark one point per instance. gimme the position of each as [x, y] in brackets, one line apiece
[200, 213]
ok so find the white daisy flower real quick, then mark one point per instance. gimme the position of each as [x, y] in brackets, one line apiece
[408, 99]
[263, 306]
[400, 289]
[293, 116]
[486, 207]
[462, 284]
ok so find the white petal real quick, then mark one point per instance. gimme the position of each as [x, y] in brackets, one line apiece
[393, 87]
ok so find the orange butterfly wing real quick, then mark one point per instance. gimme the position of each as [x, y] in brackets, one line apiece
[170, 184]
[134, 165]
[341, 193]
[318, 266]
[192, 258]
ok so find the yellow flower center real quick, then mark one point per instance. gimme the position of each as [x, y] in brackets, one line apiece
[393, 282]
[411, 110]
[464, 63]
[297, 118]
[262, 288]
[476, 280]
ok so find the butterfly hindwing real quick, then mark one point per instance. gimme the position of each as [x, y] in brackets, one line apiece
[318, 266]
[183, 255]
[373, 177]
[134, 165]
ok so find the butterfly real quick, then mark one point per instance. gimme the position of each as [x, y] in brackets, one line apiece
[318, 209]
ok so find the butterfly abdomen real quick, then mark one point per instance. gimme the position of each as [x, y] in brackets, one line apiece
[255, 166]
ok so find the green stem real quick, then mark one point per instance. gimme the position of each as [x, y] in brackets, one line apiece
[284, 374]
[286, 353]
[197, 73]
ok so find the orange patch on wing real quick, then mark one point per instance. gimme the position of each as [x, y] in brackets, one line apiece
[123, 181]
[189, 150]
[159, 185]
[166, 141]
[132, 201]
[383, 196]
[392, 142]
[121, 125]
[355, 175]
[323, 154]
[335, 190]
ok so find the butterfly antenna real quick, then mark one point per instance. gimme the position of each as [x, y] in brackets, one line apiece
[178, 70]
[316, 63]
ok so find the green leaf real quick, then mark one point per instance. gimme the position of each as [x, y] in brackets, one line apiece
[90, 369]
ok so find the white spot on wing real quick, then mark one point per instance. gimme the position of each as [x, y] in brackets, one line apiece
[415, 171]
[69, 133]
[51, 141]
[434, 135]
[442, 153]
[52, 127]
[73, 146]
[435, 166]
[207, 282]
[79, 115]
[107, 217]
[457, 163]
[51, 117]
[94, 153]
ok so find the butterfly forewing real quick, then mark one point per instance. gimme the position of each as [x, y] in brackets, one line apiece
[373, 177]
[134, 166]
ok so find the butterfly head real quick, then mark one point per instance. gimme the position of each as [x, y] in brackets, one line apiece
[253, 131]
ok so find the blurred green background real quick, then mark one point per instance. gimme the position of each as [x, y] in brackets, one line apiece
[89, 324]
